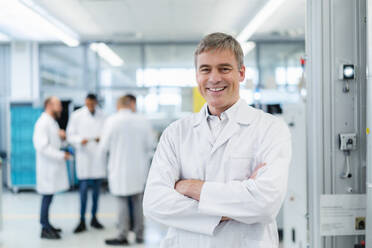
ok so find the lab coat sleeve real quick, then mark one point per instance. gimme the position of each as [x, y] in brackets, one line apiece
[42, 143]
[72, 133]
[163, 203]
[254, 200]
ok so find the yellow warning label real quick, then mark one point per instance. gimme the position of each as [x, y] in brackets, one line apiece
[367, 130]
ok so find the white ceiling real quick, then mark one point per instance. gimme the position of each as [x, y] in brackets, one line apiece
[170, 20]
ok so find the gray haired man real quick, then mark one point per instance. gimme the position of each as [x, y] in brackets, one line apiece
[219, 177]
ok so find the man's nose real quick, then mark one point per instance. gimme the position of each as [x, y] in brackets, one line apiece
[215, 76]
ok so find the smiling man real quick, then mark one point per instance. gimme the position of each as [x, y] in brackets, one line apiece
[219, 177]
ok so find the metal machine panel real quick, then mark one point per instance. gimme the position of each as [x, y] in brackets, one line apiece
[295, 204]
[336, 36]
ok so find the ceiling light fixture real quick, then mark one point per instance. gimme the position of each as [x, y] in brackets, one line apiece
[55, 27]
[270, 7]
[107, 54]
[247, 46]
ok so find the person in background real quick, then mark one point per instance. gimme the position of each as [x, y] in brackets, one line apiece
[51, 171]
[83, 132]
[128, 139]
[219, 177]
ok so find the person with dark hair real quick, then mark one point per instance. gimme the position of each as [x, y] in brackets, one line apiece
[51, 171]
[218, 177]
[83, 131]
[92, 97]
[128, 140]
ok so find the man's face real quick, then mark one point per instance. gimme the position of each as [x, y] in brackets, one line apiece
[56, 106]
[91, 104]
[218, 78]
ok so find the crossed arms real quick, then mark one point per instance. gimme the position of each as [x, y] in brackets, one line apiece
[199, 206]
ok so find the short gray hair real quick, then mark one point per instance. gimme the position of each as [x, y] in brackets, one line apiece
[220, 41]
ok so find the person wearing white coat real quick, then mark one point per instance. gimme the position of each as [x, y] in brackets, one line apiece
[51, 171]
[218, 177]
[83, 131]
[128, 139]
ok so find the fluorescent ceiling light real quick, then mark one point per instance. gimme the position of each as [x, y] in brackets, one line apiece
[107, 54]
[23, 20]
[247, 46]
[60, 30]
[262, 16]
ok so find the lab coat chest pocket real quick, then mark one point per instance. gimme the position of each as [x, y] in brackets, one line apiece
[240, 167]
[241, 161]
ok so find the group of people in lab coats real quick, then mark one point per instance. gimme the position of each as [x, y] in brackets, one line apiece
[117, 147]
[218, 177]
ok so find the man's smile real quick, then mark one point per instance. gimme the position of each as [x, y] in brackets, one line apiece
[216, 89]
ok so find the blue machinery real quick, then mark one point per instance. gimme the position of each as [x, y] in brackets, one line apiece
[22, 169]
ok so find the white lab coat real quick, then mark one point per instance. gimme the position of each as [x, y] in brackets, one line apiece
[51, 170]
[186, 151]
[128, 139]
[84, 125]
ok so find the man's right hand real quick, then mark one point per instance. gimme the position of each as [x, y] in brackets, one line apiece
[67, 156]
[84, 142]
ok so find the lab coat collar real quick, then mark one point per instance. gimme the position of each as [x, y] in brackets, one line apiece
[240, 112]
[96, 111]
[48, 116]
[228, 113]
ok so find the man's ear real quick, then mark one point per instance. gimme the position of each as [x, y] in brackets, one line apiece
[242, 73]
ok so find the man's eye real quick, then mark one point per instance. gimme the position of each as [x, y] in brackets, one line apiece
[225, 69]
[204, 70]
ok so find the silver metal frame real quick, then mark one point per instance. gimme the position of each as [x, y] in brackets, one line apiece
[335, 34]
[369, 125]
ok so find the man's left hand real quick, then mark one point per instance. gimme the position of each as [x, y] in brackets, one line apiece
[190, 188]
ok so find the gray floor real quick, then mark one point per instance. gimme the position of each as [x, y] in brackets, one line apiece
[20, 227]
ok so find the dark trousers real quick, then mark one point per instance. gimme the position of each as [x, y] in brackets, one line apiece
[127, 220]
[46, 200]
[95, 184]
